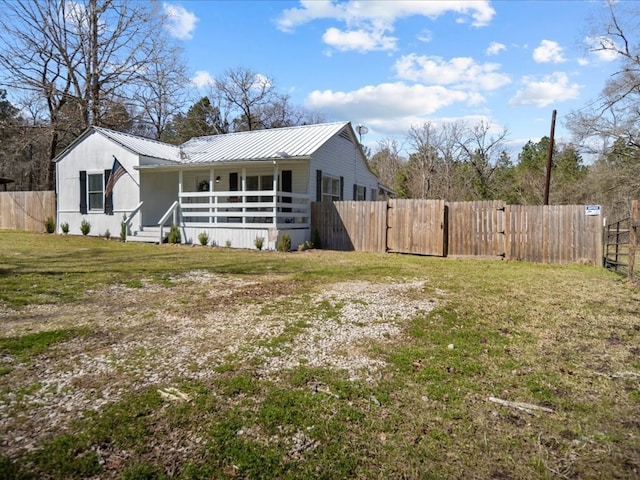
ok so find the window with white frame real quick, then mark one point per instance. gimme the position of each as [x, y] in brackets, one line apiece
[95, 191]
[330, 189]
[259, 182]
[360, 192]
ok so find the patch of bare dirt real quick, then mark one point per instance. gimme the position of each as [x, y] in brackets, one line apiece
[160, 335]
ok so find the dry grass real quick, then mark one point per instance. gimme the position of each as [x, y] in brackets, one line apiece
[310, 365]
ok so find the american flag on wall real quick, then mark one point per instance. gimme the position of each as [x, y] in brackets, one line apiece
[116, 172]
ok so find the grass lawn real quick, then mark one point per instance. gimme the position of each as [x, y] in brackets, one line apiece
[143, 361]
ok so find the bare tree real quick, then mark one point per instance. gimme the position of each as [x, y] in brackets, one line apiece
[282, 113]
[482, 150]
[616, 113]
[80, 56]
[423, 162]
[387, 163]
[160, 92]
[610, 125]
[244, 95]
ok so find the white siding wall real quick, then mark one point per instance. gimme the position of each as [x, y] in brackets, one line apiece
[341, 158]
[158, 190]
[95, 154]
[245, 237]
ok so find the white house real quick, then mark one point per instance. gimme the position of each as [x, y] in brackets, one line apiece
[235, 187]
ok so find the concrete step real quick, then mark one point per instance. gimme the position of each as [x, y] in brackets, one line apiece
[147, 234]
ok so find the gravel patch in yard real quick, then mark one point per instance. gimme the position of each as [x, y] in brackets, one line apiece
[367, 312]
[161, 335]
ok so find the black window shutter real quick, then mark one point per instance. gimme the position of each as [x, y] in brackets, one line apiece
[83, 192]
[287, 186]
[364, 193]
[233, 182]
[355, 191]
[108, 200]
[341, 188]
[318, 185]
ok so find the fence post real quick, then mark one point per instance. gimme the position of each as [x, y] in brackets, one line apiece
[507, 232]
[633, 238]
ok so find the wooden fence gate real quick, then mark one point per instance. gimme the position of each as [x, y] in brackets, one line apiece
[477, 228]
[417, 226]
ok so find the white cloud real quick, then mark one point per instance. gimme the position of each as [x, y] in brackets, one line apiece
[355, 11]
[583, 62]
[261, 81]
[603, 48]
[181, 22]
[549, 52]
[368, 22]
[386, 100]
[460, 71]
[551, 89]
[202, 79]
[425, 36]
[359, 40]
[495, 48]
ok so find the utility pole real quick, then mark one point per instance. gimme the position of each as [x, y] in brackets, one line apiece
[547, 180]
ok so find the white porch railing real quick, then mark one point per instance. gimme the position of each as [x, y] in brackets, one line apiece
[245, 209]
[173, 210]
[129, 218]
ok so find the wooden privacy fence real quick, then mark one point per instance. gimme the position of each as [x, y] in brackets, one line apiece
[547, 234]
[360, 226]
[26, 210]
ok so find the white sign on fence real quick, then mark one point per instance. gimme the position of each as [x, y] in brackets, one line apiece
[592, 210]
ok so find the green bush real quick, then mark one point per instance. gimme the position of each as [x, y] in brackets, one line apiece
[203, 238]
[50, 225]
[284, 243]
[227, 243]
[65, 228]
[174, 234]
[107, 234]
[259, 242]
[85, 227]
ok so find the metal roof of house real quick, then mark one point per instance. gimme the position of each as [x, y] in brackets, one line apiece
[277, 143]
[273, 144]
[143, 146]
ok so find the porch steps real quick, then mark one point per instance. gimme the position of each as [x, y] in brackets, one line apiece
[146, 234]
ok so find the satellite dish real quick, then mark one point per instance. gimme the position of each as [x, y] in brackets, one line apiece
[362, 130]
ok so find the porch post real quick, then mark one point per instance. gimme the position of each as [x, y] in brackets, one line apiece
[211, 198]
[180, 183]
[275, 193]
[244, 195]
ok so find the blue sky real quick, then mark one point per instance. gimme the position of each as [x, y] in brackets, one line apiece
[393, 64]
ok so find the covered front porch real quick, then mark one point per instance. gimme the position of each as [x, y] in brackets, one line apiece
[233, 204]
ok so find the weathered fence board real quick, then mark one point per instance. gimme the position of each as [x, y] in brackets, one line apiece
[557, 234]
[476, 228]
[350, 225]
[26, 210]
[416, 226]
